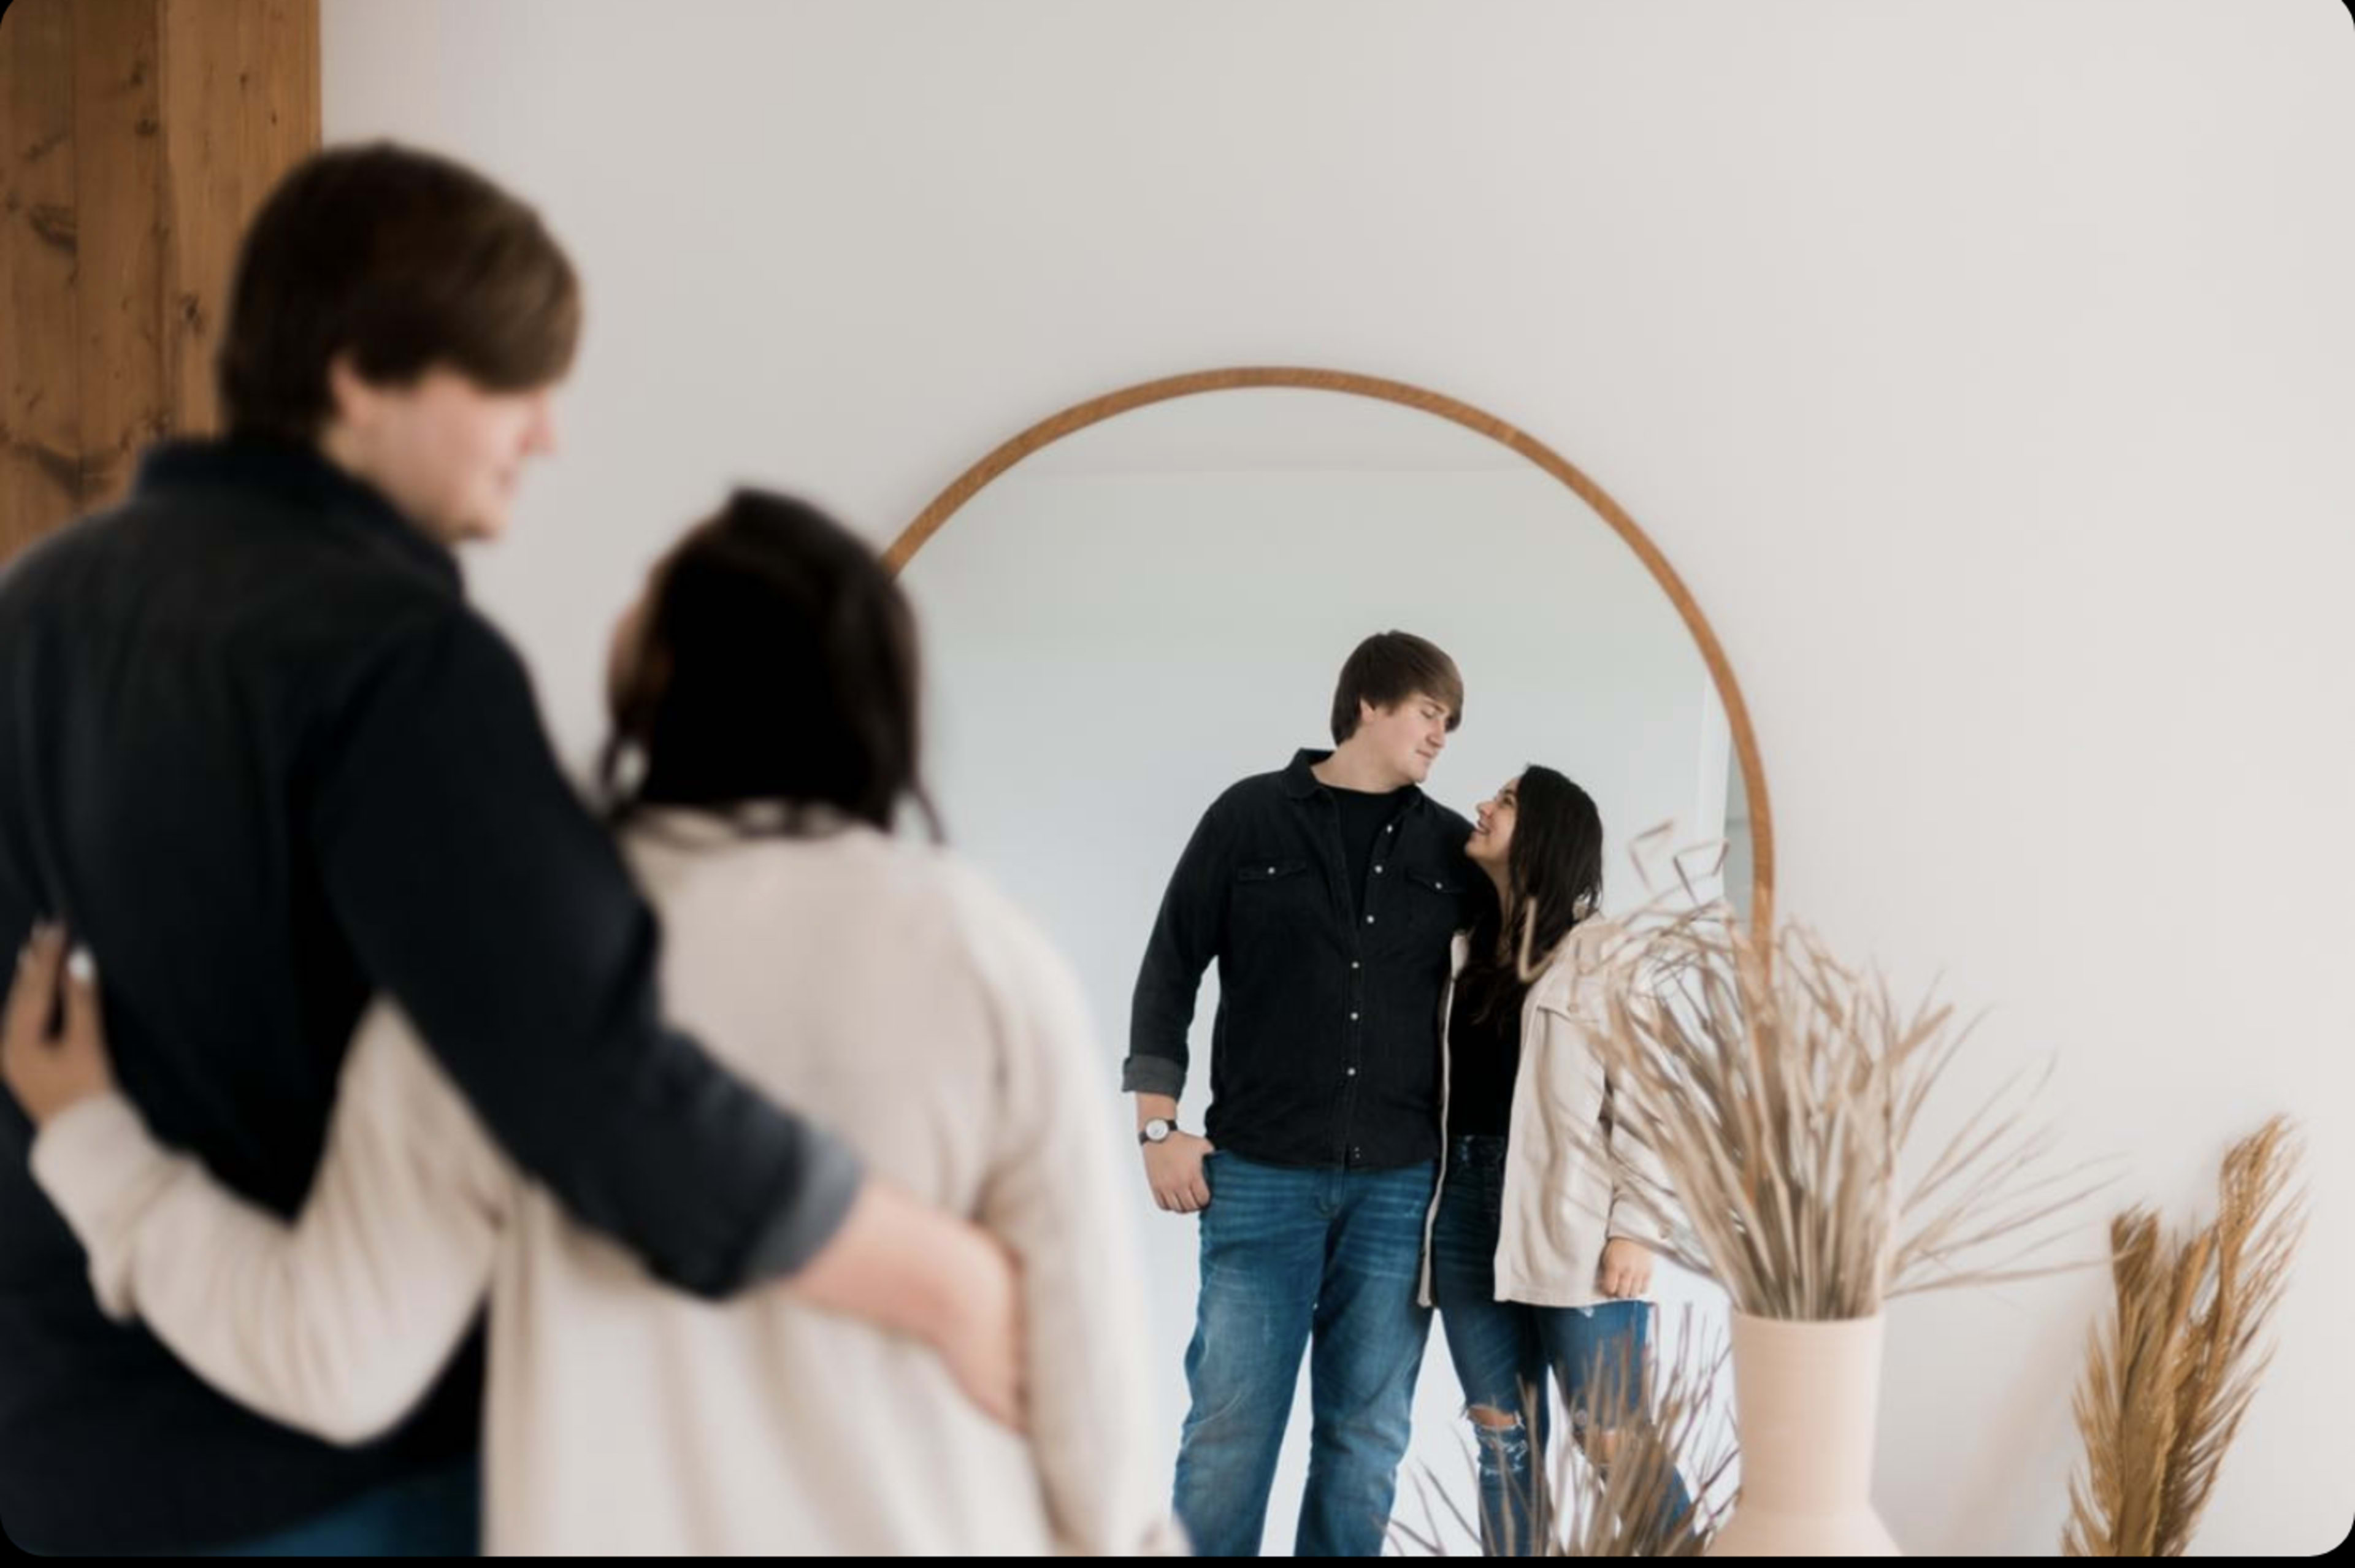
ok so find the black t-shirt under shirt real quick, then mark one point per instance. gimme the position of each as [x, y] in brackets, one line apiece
[1363, 818]
[1483, 1055]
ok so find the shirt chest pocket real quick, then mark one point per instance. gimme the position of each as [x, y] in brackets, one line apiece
[1270, 890]
[1434, 901]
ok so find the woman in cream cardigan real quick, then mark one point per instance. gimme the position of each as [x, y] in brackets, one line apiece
[1537, 1251]
[766, 687]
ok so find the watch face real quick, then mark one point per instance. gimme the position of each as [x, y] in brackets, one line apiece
[1157, 1129]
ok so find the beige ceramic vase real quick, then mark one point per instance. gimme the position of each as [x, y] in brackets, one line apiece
[1805, 1404]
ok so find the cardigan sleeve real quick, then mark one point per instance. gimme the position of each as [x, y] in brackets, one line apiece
[338, 1322]
[1643, 1204]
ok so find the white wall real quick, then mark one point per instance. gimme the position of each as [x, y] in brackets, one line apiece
[1984, 370]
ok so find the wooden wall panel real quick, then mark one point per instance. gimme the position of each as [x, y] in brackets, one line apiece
[40, 472]
[141, 136]
[117, 126]
[242, 106]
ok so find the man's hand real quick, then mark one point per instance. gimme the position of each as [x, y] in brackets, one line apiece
[1174, 1168]
[982, 1341]
[901, 1266]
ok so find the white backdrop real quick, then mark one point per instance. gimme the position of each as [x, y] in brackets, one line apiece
[1984, 369]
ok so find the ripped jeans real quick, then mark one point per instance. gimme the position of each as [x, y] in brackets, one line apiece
[1596, 1354]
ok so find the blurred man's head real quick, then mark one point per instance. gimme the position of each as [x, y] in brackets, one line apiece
[409, 319]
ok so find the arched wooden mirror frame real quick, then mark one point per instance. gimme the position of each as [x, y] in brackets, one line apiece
[1078, 416]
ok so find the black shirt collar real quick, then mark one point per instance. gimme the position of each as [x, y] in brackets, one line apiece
[1300, 784]
[299, 473]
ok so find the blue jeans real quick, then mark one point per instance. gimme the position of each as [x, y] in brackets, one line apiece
[1503, 1347]
[1292, 1257]
[437, 1514]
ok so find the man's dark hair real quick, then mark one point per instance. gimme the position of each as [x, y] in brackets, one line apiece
[405, 261]
[1385, 670]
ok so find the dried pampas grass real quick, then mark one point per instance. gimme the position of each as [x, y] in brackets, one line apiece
[2168, 1377]
[1777, 1089]
[1677, 1428]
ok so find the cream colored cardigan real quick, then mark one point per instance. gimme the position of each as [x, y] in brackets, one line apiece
[1563, 1197]
[876, 985]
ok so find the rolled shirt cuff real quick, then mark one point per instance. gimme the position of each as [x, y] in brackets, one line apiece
[1152, 1075]
[831, 1178]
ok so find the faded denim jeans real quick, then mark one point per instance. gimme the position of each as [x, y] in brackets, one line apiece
[1595, 1354]
[1323, 1261]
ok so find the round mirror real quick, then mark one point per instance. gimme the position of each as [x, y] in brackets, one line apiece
[1135, 603]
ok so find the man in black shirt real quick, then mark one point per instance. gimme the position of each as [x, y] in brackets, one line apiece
[259, 753]
[1327, 894]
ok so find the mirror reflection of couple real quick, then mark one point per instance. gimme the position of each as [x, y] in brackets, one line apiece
[261, 762]
[1406, 1112]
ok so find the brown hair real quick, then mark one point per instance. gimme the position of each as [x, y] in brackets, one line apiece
[1386, 670]
[405, 261]
[1553, 878]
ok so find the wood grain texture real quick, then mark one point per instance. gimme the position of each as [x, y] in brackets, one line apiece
[141, 136]
[40, 427]
[117, 135]
[241, 106]
[1095, 410]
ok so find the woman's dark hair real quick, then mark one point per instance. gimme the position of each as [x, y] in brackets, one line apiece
[776, 663]
[402, 259]
[1553, 876]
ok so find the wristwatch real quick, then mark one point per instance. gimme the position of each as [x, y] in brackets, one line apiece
[1156, 1131]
